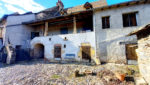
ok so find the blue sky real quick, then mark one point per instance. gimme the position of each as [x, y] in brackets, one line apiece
[22, 6]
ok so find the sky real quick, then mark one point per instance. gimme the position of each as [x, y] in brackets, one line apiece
[23, 6]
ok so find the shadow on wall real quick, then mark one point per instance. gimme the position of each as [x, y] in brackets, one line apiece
[22, 54]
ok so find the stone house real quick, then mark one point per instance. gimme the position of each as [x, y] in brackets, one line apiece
[79, 33]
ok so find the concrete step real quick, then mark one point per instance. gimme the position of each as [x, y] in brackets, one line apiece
[132, 62]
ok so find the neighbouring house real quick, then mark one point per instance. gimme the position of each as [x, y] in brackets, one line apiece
[86, 32]
[113, 23]
[143, 50]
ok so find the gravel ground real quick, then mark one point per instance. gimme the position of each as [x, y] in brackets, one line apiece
[43, 73]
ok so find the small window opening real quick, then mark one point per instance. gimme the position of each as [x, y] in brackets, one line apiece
[64, 46]
[49, 39]
[64, 30]
[106, 22]
[34, 34]
[129, 19]
[65, 39]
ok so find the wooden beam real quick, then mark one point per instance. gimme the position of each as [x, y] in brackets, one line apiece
[46, 29]
[74, 25]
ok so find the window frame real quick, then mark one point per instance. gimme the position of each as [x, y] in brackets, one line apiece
[105, 23]
[129, 21]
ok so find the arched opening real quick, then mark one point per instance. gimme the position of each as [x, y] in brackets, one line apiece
[38, 51]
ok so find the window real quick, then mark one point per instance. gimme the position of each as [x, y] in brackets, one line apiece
[18, 46]
[64, 30]
[129, 19]
[34, 34]
[105, 22]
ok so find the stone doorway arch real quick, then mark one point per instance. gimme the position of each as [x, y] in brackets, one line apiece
[38, 51]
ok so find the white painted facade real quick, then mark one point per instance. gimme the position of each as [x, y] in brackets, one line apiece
[16, 32]
[108, 41]
[72, 43]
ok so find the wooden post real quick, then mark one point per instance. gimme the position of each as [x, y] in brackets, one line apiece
[74, 25]
[46, 29]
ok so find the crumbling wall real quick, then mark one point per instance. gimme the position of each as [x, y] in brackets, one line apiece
[108, 41]
[143, 53]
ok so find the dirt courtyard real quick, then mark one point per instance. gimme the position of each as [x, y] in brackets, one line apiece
[44, 73]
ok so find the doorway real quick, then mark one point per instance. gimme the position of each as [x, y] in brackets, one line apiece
[131, 51]
[38, 51]
[57, 51]
[86, 52]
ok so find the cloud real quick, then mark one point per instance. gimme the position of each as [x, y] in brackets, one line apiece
[14, 9]
[28, 5]
[1, 10]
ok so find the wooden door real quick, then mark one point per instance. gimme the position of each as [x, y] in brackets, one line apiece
[57, 51]
[131, 51]
[86, 52]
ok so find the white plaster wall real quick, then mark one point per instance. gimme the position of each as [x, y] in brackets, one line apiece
[14, 20]
[18, 33]
[107, 40]
[72, 44]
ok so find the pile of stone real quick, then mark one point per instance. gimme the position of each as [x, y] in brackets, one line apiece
[107, 77]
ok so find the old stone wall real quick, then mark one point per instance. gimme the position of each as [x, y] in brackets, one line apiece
[108, 41]
[143, 53]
